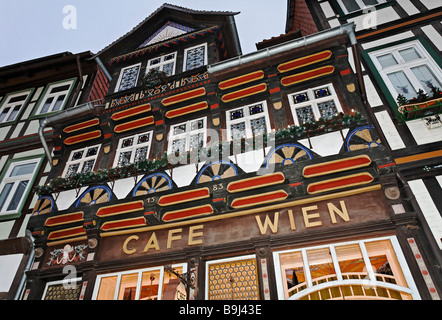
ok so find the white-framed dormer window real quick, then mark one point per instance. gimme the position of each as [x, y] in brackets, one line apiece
[188, 135]
[12, 104]
[195, 57]
[81, 161]
[349, 6]
[55, 97]
[247, 121]
[406, 68]
[311, 104]
[133, 148]
[15, 184]
[165, 63]
[128, 77]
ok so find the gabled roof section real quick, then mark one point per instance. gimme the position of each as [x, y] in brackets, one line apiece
[171, 15]
[168, 30]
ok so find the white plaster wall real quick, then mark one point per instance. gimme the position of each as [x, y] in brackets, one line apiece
[433, 35]
[326, 144]
[428, 208]
[396, 37]
[5, 229]
[8, 268]
[431, 4]
[409, 8]
[422, 134]
[389, 130]
[374, 18]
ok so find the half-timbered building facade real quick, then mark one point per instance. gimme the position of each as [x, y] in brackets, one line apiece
[29, 93]
[400, 46]
[208, 174]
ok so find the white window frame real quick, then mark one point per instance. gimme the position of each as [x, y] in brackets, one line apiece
[82, 160]
[247, 119]
[140, 275]
[191, 48]
[232, 259]
[134, 146]
[187, 134]
[162, 63]
[48, 95]
[6, 103]
[425, 59]
[117, 87]
[313, 102]
[15, 180]
[361, 5]
[370, 281]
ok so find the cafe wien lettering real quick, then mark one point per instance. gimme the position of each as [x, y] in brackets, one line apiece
[218, 230]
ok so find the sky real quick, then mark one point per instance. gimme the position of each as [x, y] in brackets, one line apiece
[31, 29]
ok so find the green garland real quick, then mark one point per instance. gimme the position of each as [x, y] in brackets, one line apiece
[222, 148]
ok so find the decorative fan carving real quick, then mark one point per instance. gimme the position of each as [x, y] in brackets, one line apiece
[44, 205]
[288, 154]
[362, 138]
[153, 183]
[94, 195]
[215, 171]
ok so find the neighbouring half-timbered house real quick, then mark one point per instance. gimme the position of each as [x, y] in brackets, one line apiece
[208, 174]
[400, 44]
[30, 92]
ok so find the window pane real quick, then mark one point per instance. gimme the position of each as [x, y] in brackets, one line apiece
[22, 169]
[370, 2]
[426, 78]
[305, 114]
[58, 103]
[179, 145]
[5, 193]
[258, 126]
[77, 155]
[196, 125]
[238, 130]
[107, 288]
[195, 57]
[384, 262]
[293, 269]
[15, 201]
[327, 109]
[321, 265]
[170, 276]
[124, 158]
[46, 105]
[14, 113]
[320, 93]
[179, 129]
[18, 99]
[300, 97]
[236, 114]
[143, 138]
[4, 113]
[72, 170]
[150, 285]
[351, 263]
[92, 152]
[141, 154]
[128, 287]
[402, 85]
[129, 78]
[387, 60]
[168, 68]
[127, 142]
[61, 88]
[88, 166]
[256, 109]
[409, 54]
[351, 5]
[197, 141]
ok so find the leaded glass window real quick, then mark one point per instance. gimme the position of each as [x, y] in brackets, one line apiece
[195, 57]
[248, 121]
[407, 68]
[133, 148]
[165, 63]
[128, 77]
[186, 136]
[81, 161]
[312, 104]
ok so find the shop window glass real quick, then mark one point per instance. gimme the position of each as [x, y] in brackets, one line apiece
[366, 269]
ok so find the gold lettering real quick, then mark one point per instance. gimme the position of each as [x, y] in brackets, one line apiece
[125, 249]
[332, 209]
[292, 220]
[152, 243]
[267, 223]
[308, 216]
[171, 237]
[193, 234]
